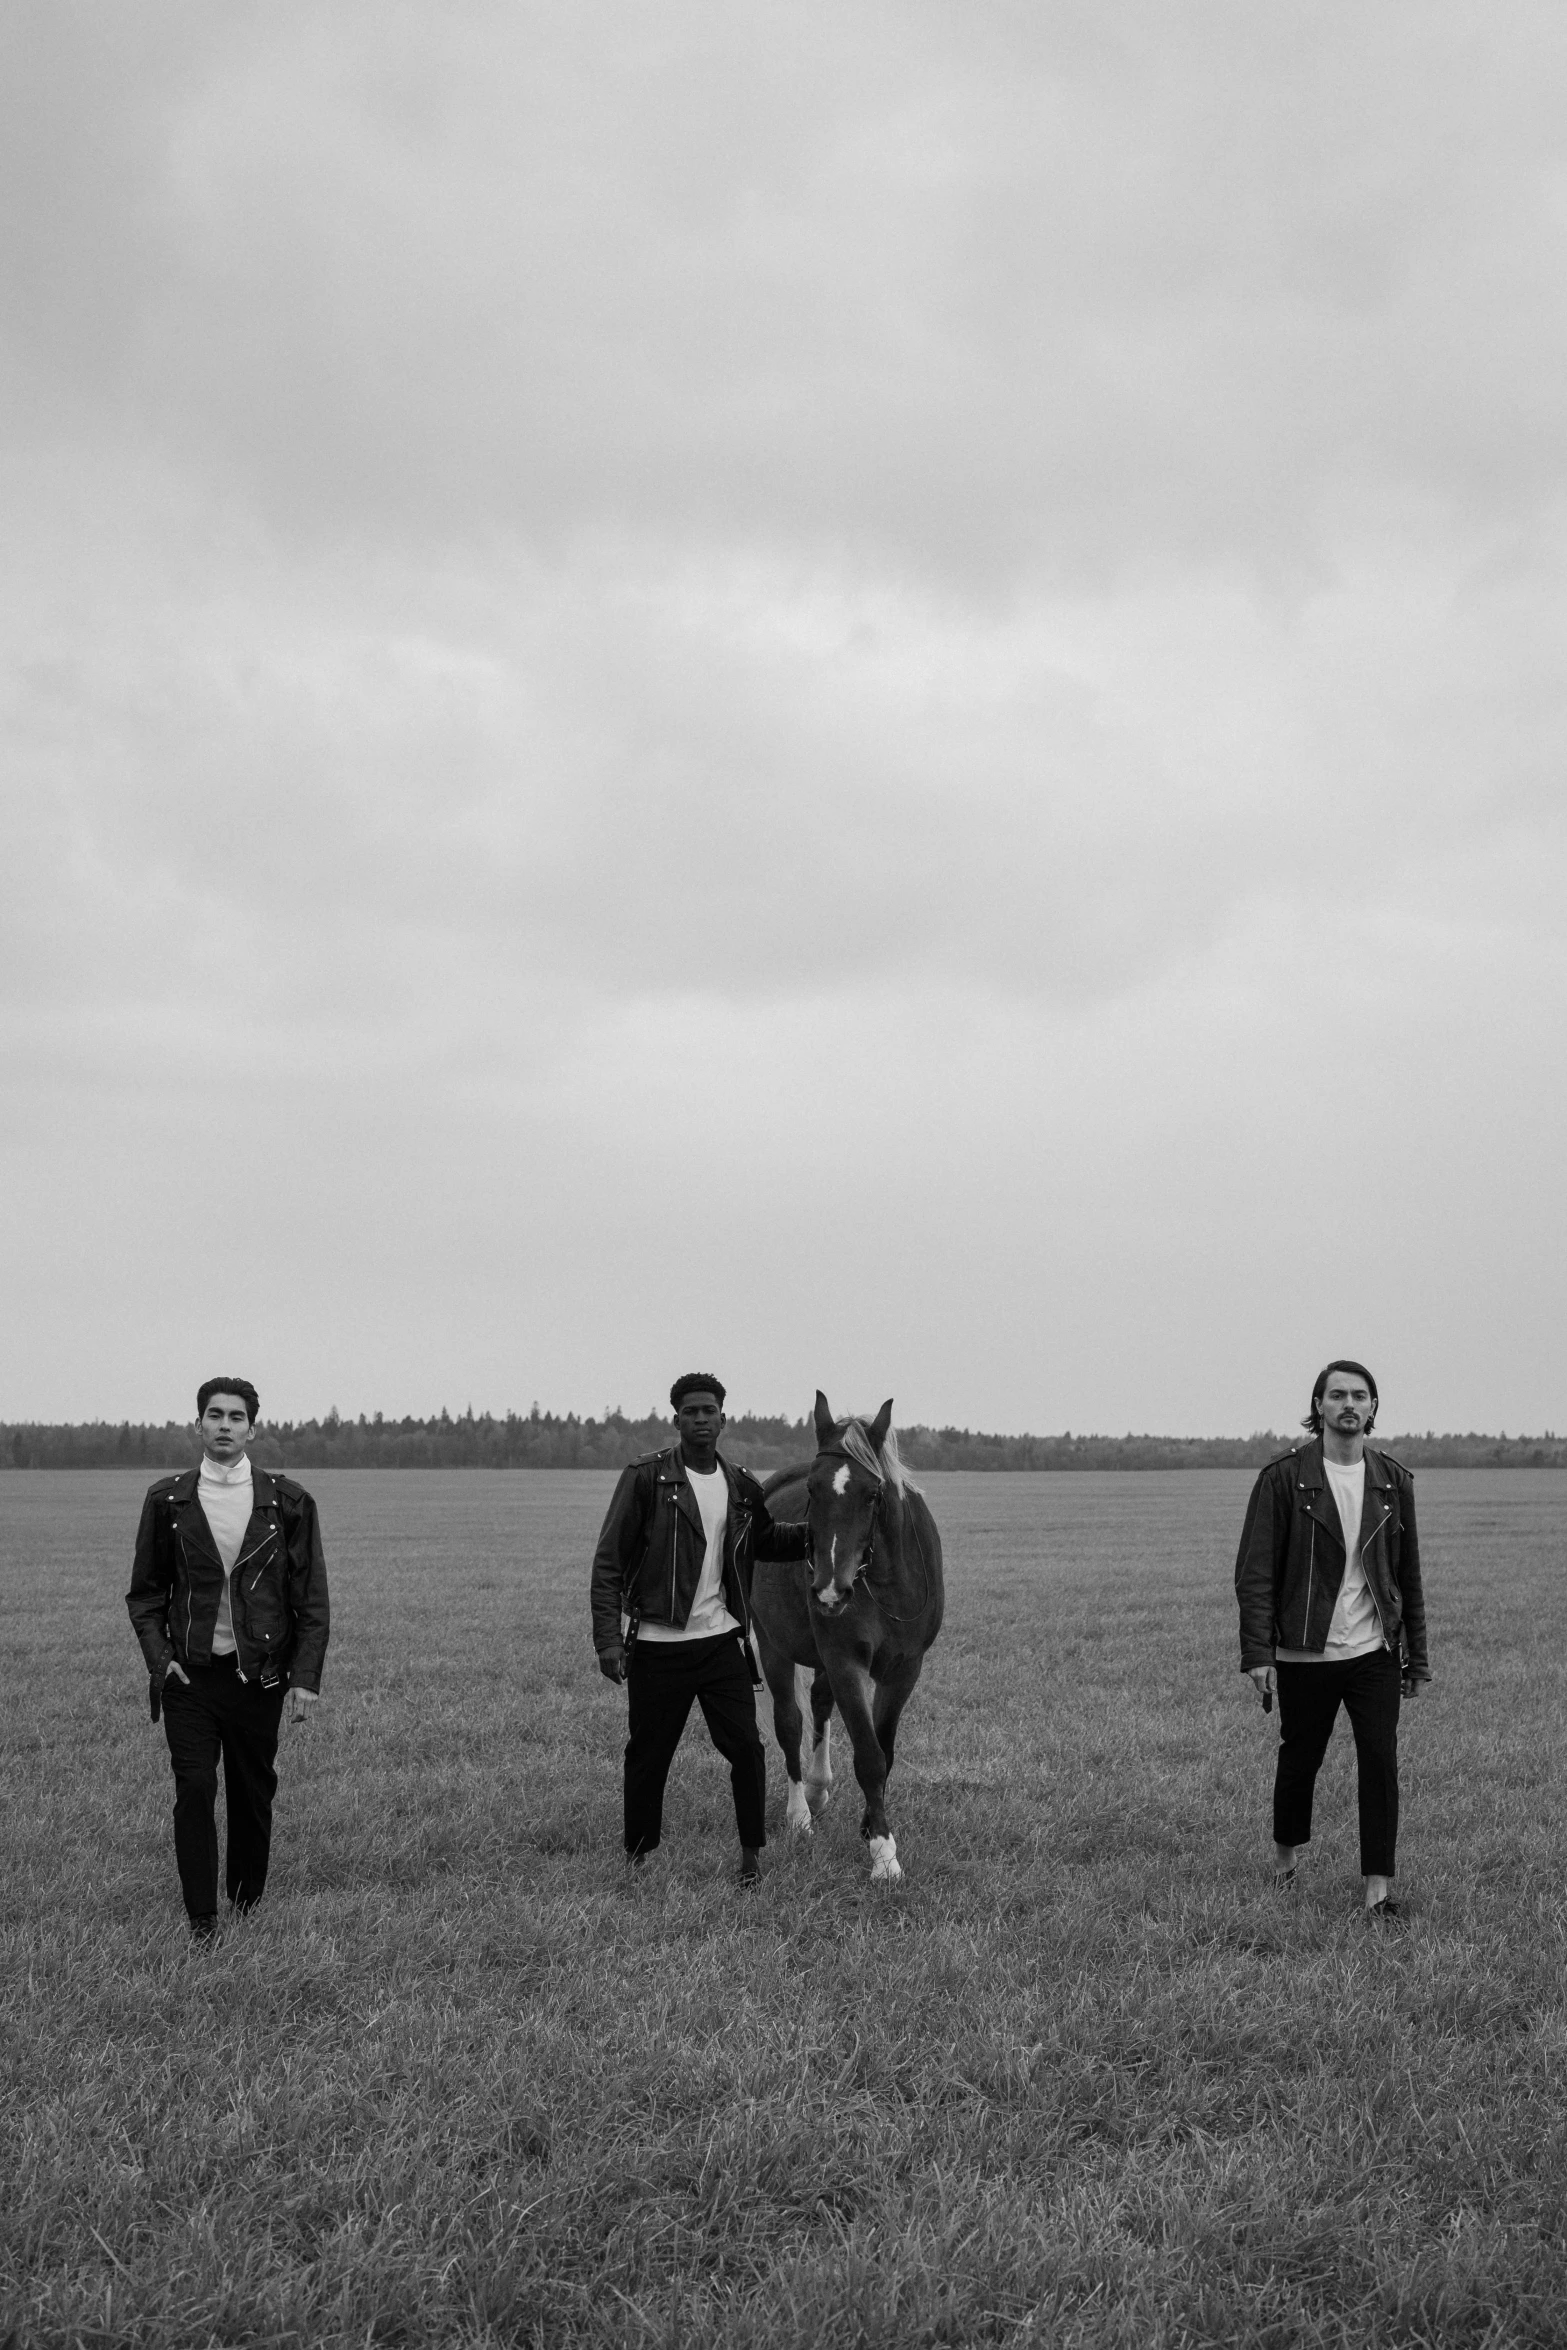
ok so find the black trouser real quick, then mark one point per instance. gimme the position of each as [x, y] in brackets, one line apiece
[1309, 1698]
[664, 1678]
[220, 1713]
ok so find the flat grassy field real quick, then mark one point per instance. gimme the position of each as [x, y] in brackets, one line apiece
[1083, 2078]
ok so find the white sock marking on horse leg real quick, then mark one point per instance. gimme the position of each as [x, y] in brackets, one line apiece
[798, 1813]
[817, 1768]
[884, 1860]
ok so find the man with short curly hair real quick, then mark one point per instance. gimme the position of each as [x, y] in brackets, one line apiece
[671, 1597]
[228, 1599]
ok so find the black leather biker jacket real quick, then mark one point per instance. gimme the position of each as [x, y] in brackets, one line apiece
[277, 1591]
[1292, 1558]
[652, 1547]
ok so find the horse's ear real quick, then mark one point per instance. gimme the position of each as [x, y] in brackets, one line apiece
[877, 1431]
[826, 1425]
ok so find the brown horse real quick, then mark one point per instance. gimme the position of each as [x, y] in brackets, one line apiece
[860, 1611]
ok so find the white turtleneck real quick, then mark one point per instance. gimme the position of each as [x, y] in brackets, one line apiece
[225, 1496]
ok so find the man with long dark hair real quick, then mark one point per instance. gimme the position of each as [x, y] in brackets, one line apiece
[1332, 1613]
[228, 1598]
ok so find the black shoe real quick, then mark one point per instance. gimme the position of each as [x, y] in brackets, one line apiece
[1385, 1912]
[1284, 1880]
[205, 1929]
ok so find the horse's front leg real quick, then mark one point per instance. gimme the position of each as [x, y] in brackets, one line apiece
[818, 1762]
[789, 1730]
[856, 1695]
[892, 1695]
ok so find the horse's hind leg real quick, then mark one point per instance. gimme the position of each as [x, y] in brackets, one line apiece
[818, 1762]
[789, 1730]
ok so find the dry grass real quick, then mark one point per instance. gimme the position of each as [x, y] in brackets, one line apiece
[1081, 2079]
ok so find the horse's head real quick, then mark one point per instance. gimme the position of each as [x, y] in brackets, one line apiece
[843, 1500]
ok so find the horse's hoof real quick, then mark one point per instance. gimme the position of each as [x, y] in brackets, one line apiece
[884, 1860]
[818, 1798]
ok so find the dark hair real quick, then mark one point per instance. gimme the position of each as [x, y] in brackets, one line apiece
[240, 1387]
[690, 1382]
[1313, 1419]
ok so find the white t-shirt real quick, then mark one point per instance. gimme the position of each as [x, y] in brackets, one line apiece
[708, 1612]
[226, 1496]
[1356, 1627]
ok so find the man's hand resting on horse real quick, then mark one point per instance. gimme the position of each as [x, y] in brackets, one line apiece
[612, 1663]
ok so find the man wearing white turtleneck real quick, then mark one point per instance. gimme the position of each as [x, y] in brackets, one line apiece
[224, 1489]
[228, 1597]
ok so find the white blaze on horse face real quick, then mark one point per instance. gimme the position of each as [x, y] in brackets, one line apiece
[840, 1483]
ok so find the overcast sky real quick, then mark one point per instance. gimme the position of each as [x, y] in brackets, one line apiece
[869, 696]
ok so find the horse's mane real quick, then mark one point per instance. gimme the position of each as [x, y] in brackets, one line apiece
[852, 1435]
[888, 1463]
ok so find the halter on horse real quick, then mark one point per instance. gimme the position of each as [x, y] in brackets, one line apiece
[836, 1452]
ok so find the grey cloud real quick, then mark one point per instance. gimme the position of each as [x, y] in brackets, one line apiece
[1034, 293]
[556, 785]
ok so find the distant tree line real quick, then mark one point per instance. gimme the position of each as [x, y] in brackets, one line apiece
[549, 1440]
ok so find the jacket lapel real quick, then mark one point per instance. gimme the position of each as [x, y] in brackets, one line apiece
[195, 1531]
[739, 1508]
[1316, 1495]
[1373, 1506]
[685, 1499]
[263, 1498]
[732, 1477]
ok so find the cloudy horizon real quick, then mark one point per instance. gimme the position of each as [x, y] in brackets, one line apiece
[868, 698]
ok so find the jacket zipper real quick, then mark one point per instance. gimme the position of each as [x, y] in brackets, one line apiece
[742, 1538]
[674, 1530]
[255, 1554]
[234, 1577]
[1311, 1561]
[1370, 1586]
[190, 1596]
[736, 1531]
